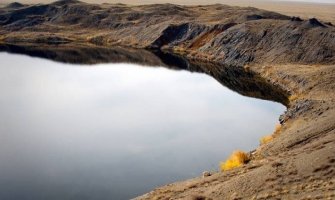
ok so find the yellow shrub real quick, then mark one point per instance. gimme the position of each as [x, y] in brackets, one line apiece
[269, 138]
[266, 139]
[293, 97]
[277, 129]
[237, 159]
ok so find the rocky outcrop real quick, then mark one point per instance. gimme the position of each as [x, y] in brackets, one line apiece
[177, 34]
[14, 5]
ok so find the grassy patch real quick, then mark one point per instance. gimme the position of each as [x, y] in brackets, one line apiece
[293, 97]
[268, 138]
[2, 38]
[237, 159]
[179, 49]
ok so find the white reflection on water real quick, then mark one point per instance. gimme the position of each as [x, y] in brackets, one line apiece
[114, 131]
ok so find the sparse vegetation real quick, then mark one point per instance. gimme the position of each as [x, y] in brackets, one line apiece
[237, 159]
[268, 138]
[179, 49]
[246, 67]
[277, 129]
[293, 97]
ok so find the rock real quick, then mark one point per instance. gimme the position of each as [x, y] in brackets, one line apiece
[206, 174]
[315, 23]
[329, 24]
[299, 107]
[15, 5]
[296, 19]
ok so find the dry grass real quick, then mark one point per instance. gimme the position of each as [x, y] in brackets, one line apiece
[277, 129]
[179, 49]
[266, 139]
[269, 138]
[237, 159]
[293, 97]
[246, 68]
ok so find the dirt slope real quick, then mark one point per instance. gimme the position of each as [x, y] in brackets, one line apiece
[297, 164]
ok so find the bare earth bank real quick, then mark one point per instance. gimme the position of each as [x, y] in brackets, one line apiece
[298, 164]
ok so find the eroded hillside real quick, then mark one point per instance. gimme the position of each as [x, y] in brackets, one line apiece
[220, 33]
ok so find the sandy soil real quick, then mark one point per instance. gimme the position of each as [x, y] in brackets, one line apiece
[324, 12]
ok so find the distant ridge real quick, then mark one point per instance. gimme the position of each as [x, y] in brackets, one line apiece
[15, 5]
[64, 2]
[217, 33]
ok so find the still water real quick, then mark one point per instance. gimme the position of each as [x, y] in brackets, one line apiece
[115, 131]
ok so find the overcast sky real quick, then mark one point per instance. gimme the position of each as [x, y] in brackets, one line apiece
[169, 1]
[314, 1]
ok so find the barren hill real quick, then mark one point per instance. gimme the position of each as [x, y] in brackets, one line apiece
[233, 35]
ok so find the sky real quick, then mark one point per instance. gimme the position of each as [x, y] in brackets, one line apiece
[170, 1]
[313, 1]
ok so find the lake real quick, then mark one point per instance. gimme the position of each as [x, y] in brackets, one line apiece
[116, 131]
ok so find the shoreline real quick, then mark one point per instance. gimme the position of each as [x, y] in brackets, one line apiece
[281, 175]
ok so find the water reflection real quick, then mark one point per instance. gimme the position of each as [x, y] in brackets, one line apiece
[233, 77]
[114, 131]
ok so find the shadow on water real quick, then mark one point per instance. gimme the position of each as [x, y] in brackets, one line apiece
[236, 78]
